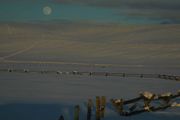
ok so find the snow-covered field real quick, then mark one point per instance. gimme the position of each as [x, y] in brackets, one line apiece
[89, 47]
[35, 96]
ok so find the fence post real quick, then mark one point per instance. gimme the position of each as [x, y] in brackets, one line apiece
[124, 75]
[61, 118]
[103, 105]
[76, 112]
[89, 109]
[98, 108]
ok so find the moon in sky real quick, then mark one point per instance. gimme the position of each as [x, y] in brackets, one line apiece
[47, 10]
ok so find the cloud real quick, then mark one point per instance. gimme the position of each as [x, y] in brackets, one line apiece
[148, 4]
[151, 9]
[165, 16]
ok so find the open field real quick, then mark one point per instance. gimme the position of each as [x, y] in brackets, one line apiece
[90, 47]
[91, 43]
[35, 94]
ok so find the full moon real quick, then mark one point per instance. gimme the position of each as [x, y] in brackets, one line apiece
[47, 10]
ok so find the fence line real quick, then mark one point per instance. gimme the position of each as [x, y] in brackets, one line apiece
[125, 75]
[144, 102]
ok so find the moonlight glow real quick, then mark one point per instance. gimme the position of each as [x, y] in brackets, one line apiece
[47, 10]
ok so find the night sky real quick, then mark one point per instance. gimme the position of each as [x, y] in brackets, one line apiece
[103, 11]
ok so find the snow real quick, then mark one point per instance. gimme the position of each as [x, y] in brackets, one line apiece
[36, 96]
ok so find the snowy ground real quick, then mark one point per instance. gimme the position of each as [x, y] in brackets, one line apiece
[138, 49]
[34, 96]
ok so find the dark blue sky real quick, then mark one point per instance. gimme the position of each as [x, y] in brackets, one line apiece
[105, 11]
